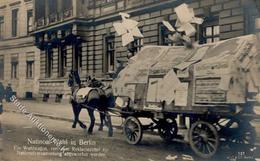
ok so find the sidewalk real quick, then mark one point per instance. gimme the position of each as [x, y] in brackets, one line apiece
[57, 111]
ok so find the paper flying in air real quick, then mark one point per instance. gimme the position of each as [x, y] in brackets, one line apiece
[124, 15]
[127, 38]
[188, 29]
[197, 20]
[186, 17]
[128, 29]
[120, 29]
[183, 13]
[168, 26]
[137, 33]
[129, 24]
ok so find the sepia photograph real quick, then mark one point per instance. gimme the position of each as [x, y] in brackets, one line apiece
[130, 80]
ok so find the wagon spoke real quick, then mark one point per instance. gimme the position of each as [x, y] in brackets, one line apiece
[212, 146]
[133, 130]
[203, 139]
[167, 129]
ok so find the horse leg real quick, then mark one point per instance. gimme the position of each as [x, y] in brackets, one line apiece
[92, 120]
[108, 122]
[76, 114]
[102, 118]
[81, 124]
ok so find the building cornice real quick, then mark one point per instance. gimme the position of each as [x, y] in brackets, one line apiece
[15, 3]
[3, 7]
[16, 43]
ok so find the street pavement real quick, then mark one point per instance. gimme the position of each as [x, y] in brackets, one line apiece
[58, 111]
[58, 119]
[18, 130]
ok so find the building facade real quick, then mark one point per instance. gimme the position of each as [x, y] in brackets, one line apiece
[19, 58]
[79, 34]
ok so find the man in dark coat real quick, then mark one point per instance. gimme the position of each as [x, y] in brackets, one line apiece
[2, 95]
[8, 93]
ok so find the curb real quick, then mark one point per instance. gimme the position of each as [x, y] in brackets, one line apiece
[56, 118]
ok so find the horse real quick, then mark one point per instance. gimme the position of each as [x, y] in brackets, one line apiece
[91, 98]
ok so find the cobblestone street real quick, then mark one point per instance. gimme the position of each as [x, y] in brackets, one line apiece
[17, 130]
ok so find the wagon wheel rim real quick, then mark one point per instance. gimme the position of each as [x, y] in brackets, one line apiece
[247, 138]
[168, 129]
[204, 139]
[245, 135]
[133, 130]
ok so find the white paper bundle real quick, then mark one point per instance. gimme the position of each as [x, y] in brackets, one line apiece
[128, 29]
[186, 17]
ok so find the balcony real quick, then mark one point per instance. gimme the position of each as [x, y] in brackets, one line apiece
[54, 18]
[104, 7]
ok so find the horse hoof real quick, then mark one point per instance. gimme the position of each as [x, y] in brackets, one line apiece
[100, 129]
[90, 132]
[73, 126]
[83, 126]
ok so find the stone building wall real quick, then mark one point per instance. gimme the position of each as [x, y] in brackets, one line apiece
[22, 47]
[94, 21]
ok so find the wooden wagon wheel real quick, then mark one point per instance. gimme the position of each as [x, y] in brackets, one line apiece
[245, 136]
[133, 130]
[168, 129]
[204, 139]
[238, 131]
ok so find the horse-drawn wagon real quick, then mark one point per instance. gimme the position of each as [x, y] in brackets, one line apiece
[215, 86]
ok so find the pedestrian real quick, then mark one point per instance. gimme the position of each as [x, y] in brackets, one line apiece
[2, 95]
[8, 93]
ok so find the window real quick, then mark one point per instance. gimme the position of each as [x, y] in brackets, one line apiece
[1, 68]
[39, 12]
[1, 27]
[163, 36]
[29, 69]
[29, 21]
[77, 57]
[211, 34]
[14, 68]
[49, 62]
[210, 30]
[62, 61]
[67, 4]
[14, 22]
[135, 46]
[109, 53]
